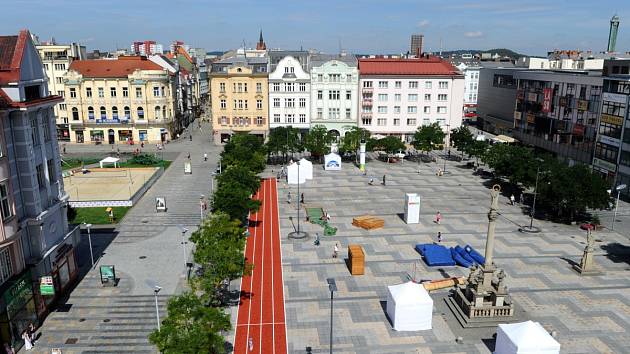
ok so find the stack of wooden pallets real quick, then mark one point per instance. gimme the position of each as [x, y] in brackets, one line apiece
[356, 260]
[368, 222]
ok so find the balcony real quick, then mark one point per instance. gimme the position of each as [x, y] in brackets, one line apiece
[367, 89]
[367, 102]
[113, 120]
[366, 115]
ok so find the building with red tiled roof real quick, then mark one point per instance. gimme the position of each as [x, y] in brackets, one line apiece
[128, 100]
[35, 239]
[399, 95]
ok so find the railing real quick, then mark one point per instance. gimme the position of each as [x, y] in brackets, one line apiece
[366, 115]
[367, 89]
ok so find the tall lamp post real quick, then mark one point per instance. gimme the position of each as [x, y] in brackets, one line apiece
[619, 188]
[184, 231]
[201, 196]
[88, 227]
[332, 286]
[533, 211]
[156, 290]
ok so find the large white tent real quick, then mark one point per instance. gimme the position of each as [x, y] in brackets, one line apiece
[409, 307]
[109, 160]
[332, 162]
[292, 174]
[306, 167]
[525, 338]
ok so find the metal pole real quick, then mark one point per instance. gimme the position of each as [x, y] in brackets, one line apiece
[157, 310]
[184, 247]
[531, 216]
[615, 214]
[299, 200]
[331, 322]
[90, 242]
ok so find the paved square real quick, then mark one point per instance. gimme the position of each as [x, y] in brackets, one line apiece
[589, 314]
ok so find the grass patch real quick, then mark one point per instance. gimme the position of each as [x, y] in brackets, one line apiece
[97, 216]
[69, 164]
[163, 163]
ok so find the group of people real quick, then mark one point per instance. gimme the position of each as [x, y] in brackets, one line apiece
[28, 336]
[371, 182]
[289, 198]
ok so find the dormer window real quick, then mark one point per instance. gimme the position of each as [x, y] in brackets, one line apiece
[32, 92]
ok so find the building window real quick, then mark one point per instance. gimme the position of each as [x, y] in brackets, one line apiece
[289, 102]
[164, 112]
[88, 92]
[90, 112]
[397, 109]
[381, 121]
[348, 113]
[302, 102]
[443, 84]
[127, 112]
[320, 77]
[320, 113]
[240, 104]
[411, 121]
[334, 95]
[61, 93]
[101, 92]
[60, 80]
[6, 266]
[75, 113]
[157, 112]
[73, 92]
[223, 104]
[276, 86]
[333, 113]
[5, 203]
[140, 113]
[259, 104]
[260, 121]
[115, 112]
[382, 109]
[427, 97]
[397, 97]
[302, 118]
[258, 87]
[396, 121]
[224, 120]
[413, 97]
[606, 152]
[289, 87]
[366, 121]
[290, 118]
[103, 113]
[397, 84]
[348, 95]
[367, 84]
[412, 109]
[125, 92]
[163, 91]
[442, 97]
[427, 109]
[246, 104]
[112, 91]
[276, 118]
[302, 87]
[382, 84]
[428, 85]
[413, 84]
[441, 109]
[276, 103]
[320, 94]
[334, 77]
[222, 87]
[41, 179]
[138, 92]
[235, 104]
[156, 92]
[382, 97]
[51, 171]
[245, 90]
[62, 106]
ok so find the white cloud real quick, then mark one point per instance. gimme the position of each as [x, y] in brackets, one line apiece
[423, 23]
[473, 34]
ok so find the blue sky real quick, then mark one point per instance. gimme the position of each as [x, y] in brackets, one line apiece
[361, 26]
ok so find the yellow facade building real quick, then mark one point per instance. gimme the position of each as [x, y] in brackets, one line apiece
[128, 100]
[239, 92]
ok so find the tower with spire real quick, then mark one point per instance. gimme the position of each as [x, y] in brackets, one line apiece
[612, 34]
[261, 43]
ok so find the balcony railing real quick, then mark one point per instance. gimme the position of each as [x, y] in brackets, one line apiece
[366, 115]
[368, 89]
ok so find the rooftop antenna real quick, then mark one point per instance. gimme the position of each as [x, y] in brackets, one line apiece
[440, 46]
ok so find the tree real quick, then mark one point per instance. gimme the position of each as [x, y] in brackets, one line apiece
[477, 149]
[351, 141]
[191, 327]
[234, 200]
[253, 143]
[284, 140]
[516, 163]
[241, 175]
[318, 140]
[462, 138]
[242, 155]
[219, 244]
[390, 144]
[427, 137]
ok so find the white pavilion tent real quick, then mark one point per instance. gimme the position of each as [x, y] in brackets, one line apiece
[293, 174]
[306, 167]
[332, 162]
[409, 307]
[109, 160]
[525, 338]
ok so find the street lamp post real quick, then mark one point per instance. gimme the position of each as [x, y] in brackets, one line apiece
[298, 197]
[201, 207]
[531, 215]
[88, 227]
[332, 286]
[156, 290]
[619, 188]
[184, 230]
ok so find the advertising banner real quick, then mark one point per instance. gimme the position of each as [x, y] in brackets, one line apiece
[46, 286]
[607, 118]
[583, 105]
[548, 92]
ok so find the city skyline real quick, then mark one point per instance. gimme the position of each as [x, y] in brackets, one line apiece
[369, 27]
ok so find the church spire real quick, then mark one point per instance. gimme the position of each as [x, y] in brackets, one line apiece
[261, 42]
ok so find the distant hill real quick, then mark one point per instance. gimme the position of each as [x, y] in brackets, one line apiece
[504, 52]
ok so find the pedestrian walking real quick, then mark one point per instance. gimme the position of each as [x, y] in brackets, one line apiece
[250, 344]
[512, 199]
[302, 198]
[142, 144]
[189, 156]
[371, 182]
[383, 179]
[64, 148]
[8, 349]
[205, 156]
[449, 154]
[28, 345]
[316, 243]
[335, 250]
[190, 136]
[31, 332]
[439, 237]
[327, 217]
[289, 198]
[438, 217]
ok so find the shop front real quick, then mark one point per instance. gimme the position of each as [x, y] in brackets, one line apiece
[63, 132]
[96, 136]
[18, 309]
[64, 272]
[125, 136]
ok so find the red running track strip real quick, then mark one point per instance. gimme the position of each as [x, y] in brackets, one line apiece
[261, 316]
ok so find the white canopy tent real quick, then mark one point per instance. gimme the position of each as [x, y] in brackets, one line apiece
[292, 174]
[409, 307]
[109, 160]
[525, 338]
[306, 167]
[332, 162]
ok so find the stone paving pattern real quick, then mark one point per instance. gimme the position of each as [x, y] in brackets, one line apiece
[589, 314]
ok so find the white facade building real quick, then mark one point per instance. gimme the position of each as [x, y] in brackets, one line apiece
[399, 95]
[289, 95]
[471, 82]
[334, 92]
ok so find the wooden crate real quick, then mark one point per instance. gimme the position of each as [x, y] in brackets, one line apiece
[356, 260]
[368, 222]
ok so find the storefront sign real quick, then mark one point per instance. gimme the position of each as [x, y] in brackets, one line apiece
[108, 275]
[607, 118]
[517, 115]
[604, 164]
[582, 105]
[18, 294]
[46, 286]
[532, 97]
[609, 141]
[547, 100]
[614, 97]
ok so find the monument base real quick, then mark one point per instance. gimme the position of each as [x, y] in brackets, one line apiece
[298, 235]
[588, 272]
[480, 322]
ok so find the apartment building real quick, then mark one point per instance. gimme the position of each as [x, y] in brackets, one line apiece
[240, 97]
[35, 240]
[334, 92]
[289, 94]
[399, 95]
[57, 59]
[127, 100]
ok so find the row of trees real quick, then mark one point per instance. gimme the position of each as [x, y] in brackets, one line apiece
[197, 318]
